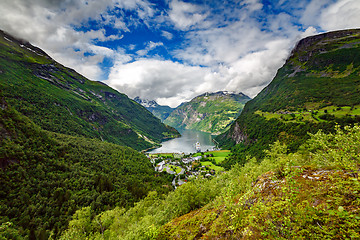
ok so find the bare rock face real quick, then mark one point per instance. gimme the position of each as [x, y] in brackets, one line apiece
[3, 103]
[238, 135]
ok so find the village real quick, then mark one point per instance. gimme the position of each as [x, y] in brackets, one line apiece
[186, 167]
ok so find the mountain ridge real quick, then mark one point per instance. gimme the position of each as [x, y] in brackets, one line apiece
[208, 112]
[61, 100]
[316, 88]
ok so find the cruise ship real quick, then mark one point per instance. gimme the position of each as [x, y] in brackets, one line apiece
[197, 147]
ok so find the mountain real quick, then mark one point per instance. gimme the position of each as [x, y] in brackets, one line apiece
[60, 100]
[317, 88]
[159, 111]
[209, 112]
[45, 177]
[146, 102]
[57, 144]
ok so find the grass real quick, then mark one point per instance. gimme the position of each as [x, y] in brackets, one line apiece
[219, 156]
[212, 166]
[218, 153]
[165, 155]
[302, 116]
[174, 168]
[218, 160]
[177, 169]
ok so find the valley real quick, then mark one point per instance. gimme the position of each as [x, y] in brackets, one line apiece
[286, 163]
[209, 112]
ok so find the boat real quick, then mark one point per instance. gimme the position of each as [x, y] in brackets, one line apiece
[197, 147]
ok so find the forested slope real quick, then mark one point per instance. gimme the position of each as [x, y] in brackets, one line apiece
[318, 86]
[45, 177]
[60, 100]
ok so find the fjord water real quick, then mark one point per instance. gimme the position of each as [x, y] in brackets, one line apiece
[186, 143]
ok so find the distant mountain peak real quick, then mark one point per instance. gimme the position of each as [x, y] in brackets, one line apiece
[146, 102]
[159, 111]
[223, 93]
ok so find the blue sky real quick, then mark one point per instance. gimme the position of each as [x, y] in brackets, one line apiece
[174, 50]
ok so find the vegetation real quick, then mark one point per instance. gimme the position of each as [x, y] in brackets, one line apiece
[287, 179]
[329, 113]
[313, 193]
[46, 177]
[317, 88]
[60, 100]
[209, 112]
[218, 156]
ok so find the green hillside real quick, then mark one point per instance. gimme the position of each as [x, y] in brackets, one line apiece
[45, 176]
[60, 100]
[318, 86]
[209, 112]
[310, 194]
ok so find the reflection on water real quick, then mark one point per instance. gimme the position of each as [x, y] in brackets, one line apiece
[186, 143]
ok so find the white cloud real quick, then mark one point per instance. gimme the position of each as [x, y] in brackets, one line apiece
[310, 16]
[343, 14]
[185, 15]
[255, 70]
[332, 15]
[231, 45]
[150, 46]
[236, 56]
[167, 35]
[310, 31]
[253, 5]
[50, 25]
[158, 79]
[172, 83]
